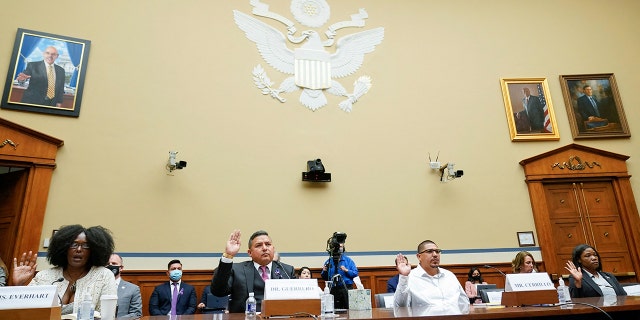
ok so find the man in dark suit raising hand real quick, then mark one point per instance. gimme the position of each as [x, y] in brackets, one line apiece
[239, 279]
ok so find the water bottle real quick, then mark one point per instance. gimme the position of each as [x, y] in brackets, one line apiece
[562, 297]
[250, 310]
[567, 294]
[85, 312]
[326, 303]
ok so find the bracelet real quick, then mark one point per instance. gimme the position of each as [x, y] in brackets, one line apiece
[228, 256]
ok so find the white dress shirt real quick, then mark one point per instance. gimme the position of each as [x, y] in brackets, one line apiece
[442, 291]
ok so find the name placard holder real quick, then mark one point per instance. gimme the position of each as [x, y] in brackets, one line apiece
[274, 308]
[527, 289]
[521, 298]
[286, 297]
[51, 313]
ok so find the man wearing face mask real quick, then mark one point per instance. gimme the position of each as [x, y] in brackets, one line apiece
[129, 298]
[174, 297]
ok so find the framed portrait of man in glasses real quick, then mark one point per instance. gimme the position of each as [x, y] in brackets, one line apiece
[46, 74]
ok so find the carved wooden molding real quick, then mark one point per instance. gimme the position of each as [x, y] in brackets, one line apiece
[575, 163]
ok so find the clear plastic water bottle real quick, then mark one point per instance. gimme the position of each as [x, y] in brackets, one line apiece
[562, 298]
[250, 307]
[567, 294]
[85, 312]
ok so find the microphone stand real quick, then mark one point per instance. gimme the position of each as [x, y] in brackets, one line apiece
[57, 294]
[492, 267]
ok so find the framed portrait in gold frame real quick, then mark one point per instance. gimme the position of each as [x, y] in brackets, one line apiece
[529, 110]
[594, 106]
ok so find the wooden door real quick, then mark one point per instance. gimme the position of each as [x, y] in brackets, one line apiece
[587, 212]
[12, 190]
[580, 195]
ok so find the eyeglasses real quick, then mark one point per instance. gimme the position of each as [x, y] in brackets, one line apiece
[431, 251]
[83, 245]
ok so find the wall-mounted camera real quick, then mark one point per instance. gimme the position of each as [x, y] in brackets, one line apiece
[447, 172]
[173, 163]
[315, 172]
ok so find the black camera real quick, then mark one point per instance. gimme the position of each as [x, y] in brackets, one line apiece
[181, 164]
[315, 166]
[333, 244]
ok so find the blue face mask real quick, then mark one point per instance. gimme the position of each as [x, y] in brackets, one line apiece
[175, 275]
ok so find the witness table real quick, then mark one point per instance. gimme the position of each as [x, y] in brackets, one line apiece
[584, 308]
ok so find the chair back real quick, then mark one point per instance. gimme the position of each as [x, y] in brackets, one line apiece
[216, 304]
[384, 300]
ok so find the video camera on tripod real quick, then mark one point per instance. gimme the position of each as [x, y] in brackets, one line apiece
[335, 245]
[335, 248]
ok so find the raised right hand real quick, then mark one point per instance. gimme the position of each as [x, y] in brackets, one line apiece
[402, 264]
[24, 269]
[576, 273]
[233, 244]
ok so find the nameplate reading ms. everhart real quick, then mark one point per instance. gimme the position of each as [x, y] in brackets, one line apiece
[25, 297]
[291, 289]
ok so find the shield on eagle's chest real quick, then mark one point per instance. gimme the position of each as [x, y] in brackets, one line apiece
[312, 69]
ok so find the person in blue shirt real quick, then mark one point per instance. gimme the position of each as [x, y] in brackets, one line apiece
[346, 268]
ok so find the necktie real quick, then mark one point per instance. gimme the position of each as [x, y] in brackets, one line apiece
[51, 83]
[263, 272]
[174, 299]
[595, 106]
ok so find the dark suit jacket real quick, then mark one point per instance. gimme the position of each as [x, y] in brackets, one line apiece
[38, 83]
[238, 279]
[591, 289]
[129, 300]
[392, 283]
[586, 108]
[535, 113]
[160, 301]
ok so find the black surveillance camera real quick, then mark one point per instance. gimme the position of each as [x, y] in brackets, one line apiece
[315, 166]
[459, 173]
[315, 172]
[181, 164]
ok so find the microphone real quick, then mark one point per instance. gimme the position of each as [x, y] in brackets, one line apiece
[283, 270]
[492, 267]
[58, 280]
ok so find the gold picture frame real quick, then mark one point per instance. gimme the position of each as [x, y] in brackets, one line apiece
[538, 120]
[602, 117]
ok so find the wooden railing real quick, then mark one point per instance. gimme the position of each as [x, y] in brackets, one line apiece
[374, 278]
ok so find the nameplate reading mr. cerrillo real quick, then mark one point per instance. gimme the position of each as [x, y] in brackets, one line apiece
[19, 297]
[291, 289]
[528, 282]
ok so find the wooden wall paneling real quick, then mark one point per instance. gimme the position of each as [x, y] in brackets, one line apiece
[374, 278]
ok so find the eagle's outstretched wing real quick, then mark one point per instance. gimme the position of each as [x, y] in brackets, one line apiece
[270, 42]
[351, 49]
